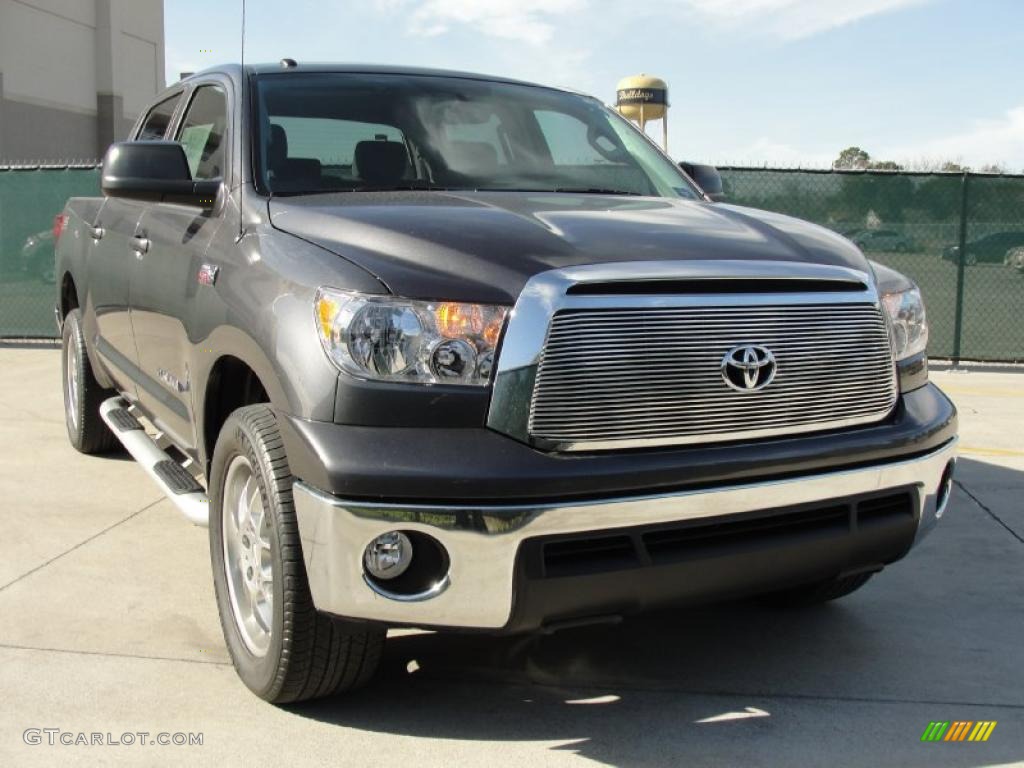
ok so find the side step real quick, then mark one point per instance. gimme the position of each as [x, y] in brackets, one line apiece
[173, 479]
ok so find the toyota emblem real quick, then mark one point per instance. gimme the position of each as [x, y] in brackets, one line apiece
[748, 367]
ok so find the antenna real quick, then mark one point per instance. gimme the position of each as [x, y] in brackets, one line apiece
[241, 112]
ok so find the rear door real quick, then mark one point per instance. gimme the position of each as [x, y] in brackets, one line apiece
[112, 257]
[165, 281]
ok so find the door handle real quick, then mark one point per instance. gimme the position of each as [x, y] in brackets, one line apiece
[97, 232]
[140, 244]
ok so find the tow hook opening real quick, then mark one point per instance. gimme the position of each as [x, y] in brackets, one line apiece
[945, 490]
[406, 565]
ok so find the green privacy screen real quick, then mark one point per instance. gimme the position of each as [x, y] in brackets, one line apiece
[955, 234]
[29, 199]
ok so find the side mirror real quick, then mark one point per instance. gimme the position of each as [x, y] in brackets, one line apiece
[154, 170]
[707, 177]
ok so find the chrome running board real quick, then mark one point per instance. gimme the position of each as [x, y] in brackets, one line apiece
[172, 477]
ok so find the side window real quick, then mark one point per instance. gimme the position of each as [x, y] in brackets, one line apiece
[203, 132]
[155, 125]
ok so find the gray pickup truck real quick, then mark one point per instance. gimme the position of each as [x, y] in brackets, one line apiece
[440, 350]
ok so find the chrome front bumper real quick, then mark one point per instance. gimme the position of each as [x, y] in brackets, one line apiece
[483, 541]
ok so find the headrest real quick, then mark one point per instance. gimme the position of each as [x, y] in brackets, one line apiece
[472, 157]
[277, 152]
[380, 163]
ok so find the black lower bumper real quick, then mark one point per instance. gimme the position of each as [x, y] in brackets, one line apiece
[584, 578]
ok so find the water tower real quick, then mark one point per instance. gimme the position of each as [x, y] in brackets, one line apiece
[642, 98]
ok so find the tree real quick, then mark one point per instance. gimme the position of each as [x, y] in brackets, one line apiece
[887, 196]
[994, 168]
[936, 165]
[852, 159]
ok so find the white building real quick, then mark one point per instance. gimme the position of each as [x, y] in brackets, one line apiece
[74, 74]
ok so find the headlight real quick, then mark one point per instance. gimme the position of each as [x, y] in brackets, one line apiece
[424, 342]
[907, 321]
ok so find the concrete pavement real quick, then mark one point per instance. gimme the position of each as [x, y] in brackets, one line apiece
[107, 624]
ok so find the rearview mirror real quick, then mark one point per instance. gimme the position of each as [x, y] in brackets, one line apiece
[707, 177]
[154, 170]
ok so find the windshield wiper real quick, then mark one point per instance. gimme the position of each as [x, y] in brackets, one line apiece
[434, 188]
[570, 190]
[596, 191]
[410, 188]
[398, 188]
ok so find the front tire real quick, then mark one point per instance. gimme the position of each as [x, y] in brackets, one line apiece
[83, 395]
[282, 648]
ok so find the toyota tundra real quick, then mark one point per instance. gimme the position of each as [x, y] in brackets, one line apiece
[440, 350]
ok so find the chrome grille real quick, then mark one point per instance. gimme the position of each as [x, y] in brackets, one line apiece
[623, 377]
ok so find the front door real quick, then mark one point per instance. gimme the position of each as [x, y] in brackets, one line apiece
[116, 247]
[166, 279]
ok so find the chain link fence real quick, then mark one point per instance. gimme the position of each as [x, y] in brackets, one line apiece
[960, 236]
[30, 198]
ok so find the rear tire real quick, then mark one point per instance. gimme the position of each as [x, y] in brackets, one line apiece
[818, 592]
[83, 395]
[282, 648]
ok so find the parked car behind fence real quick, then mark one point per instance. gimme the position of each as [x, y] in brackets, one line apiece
[1015, 259]
[990, 249]
[883, 240]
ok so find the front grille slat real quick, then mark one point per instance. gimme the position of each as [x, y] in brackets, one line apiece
[723, 423]
[669, 366]
[684, 411]
[623, 375]
[670, 381]
[656, 395]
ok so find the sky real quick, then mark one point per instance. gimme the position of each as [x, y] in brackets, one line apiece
[751, 82]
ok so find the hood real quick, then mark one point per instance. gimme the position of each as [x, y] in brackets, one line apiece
[484, 246]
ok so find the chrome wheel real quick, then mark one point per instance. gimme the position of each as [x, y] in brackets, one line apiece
[71, 380]
[248, 563]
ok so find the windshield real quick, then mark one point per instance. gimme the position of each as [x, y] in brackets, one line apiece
[362, 132]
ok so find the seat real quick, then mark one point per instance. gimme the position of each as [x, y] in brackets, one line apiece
[380, 163]
[290, 174]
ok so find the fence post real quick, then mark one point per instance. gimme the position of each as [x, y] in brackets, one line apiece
[961, 263]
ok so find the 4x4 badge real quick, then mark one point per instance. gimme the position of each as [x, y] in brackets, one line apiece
[749, 367]
[207, 274]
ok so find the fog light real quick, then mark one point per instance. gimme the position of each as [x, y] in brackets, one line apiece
[388, 556]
